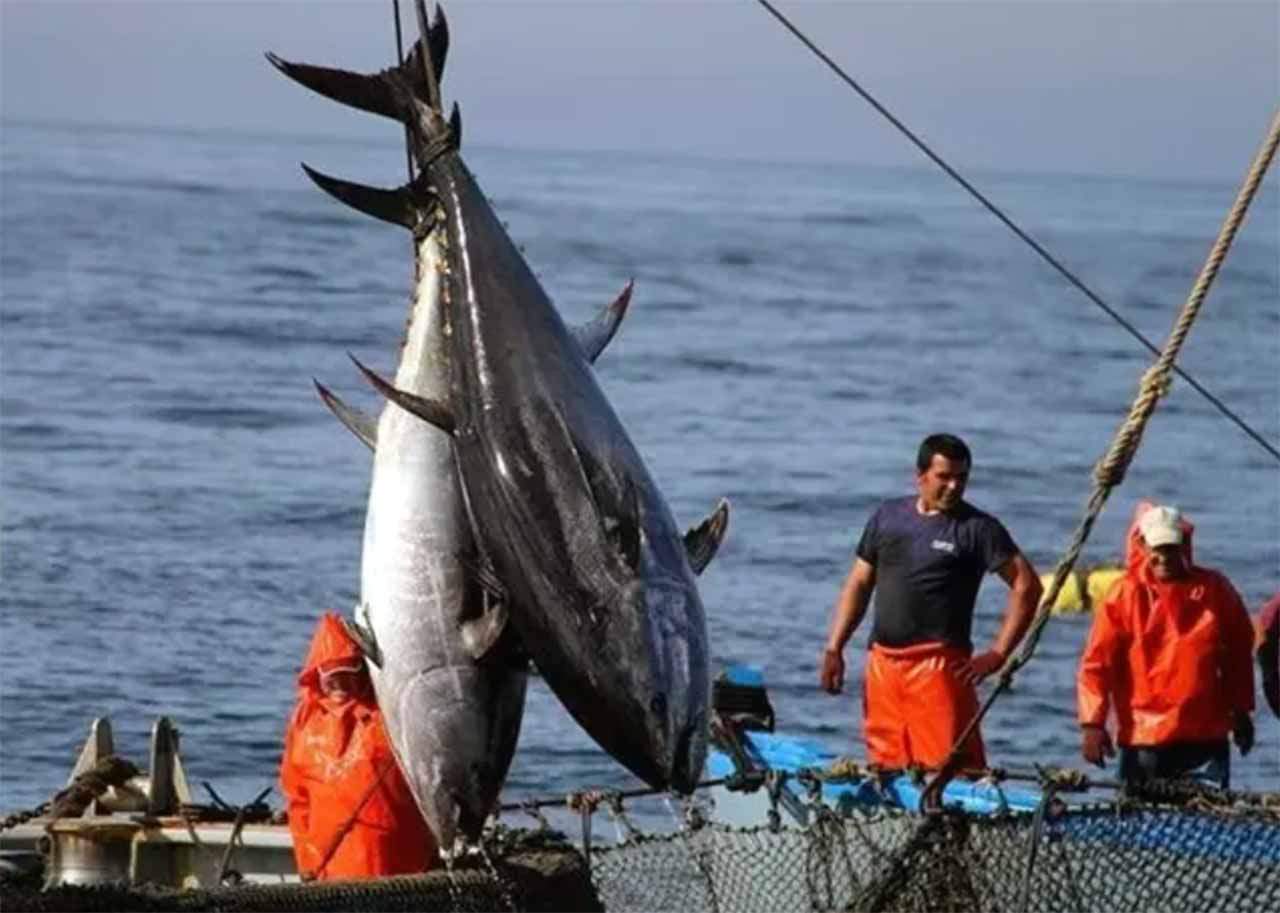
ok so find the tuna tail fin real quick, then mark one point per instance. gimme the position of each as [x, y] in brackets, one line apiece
[359, 424]
[702, 542]
[429, 410]
[411, 205]
[382, 92]
[594, 336]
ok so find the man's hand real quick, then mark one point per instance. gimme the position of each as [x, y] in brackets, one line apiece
[1095, 745]
[831, 674]
[1242, 730]
[980, 666]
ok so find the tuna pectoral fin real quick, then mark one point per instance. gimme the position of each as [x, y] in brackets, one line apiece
[615, 501]
[594, 336]
[480, 634]
[489, 595]
[361, 425]
[429, 410]
[702, 541]
[624, 529]
[411, 205]
[364, 639]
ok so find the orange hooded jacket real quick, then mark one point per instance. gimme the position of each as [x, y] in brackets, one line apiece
[1172, 659]
[338, 763]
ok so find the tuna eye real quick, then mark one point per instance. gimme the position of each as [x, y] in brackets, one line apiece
[659, 704]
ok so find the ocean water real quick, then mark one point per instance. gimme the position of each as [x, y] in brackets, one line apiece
[179, 507]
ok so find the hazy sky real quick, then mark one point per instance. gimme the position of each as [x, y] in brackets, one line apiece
[1149, 88]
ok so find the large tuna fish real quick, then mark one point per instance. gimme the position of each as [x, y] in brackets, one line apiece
[451, 690]
[574, 537]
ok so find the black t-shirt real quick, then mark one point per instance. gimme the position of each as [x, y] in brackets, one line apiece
[928, 569]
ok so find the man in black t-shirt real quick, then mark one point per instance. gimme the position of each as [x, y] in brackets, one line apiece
[925, 556]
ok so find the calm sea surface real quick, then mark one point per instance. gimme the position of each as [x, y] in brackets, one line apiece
[179, 507]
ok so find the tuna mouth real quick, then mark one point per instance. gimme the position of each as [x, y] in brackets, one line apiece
[685, 768]
[678, 746]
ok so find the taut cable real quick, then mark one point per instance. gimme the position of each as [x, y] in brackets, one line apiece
[1012, 226]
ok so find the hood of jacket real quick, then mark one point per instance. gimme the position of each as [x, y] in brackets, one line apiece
[330, 645]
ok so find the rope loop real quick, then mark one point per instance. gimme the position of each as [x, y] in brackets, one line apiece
[1062, 779]
[587, 800]
[844, 770]
[773, 781]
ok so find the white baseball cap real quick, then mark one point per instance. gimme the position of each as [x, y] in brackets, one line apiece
[1161, 526]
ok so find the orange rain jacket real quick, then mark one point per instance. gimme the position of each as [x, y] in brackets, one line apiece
[1172, 659]
[336, 757]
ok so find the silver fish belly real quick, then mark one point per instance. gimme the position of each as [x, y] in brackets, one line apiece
[452, 720]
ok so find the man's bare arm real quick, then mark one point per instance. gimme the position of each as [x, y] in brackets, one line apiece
[1024, 597]
[850, 608]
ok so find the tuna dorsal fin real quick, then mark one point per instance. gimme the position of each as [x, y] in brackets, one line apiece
[702, 542]
[411, 205]
[364, 639]
[381, 92]
[594, 336]
[359, 424]
[429, 410]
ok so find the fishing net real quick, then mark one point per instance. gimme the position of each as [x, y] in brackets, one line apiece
[1124, 855]
[1198, 850]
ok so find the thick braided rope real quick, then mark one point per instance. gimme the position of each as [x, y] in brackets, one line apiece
[1111, 469]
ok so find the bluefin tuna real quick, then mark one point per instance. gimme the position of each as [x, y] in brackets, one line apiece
[451, 689]
[575, 540]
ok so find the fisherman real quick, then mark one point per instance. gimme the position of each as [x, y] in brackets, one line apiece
[925, 556]
[350, 811]
[1170, 654]
[1268, 650]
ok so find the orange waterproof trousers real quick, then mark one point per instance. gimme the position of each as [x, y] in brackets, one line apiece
[915, 706]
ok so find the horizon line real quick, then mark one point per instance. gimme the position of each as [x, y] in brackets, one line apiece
[354, 139]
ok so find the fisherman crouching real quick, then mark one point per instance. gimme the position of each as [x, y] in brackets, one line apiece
[350, 811]
[1170, 655]
[925, 556]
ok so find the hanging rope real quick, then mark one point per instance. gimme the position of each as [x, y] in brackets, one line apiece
[1012, 226]
[1110, 470]
[408, 138]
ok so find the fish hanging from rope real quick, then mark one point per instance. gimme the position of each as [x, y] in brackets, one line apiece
[451, 690]
[576, 548]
